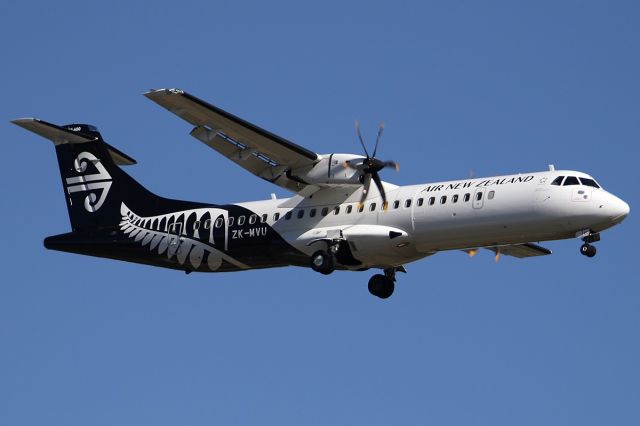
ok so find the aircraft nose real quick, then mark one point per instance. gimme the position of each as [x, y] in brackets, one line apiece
[619, 210]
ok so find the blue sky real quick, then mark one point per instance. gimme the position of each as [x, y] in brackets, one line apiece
[493, 87]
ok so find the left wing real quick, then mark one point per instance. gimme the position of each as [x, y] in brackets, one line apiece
[259, 151]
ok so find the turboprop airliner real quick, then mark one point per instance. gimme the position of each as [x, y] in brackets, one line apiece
[335, 219]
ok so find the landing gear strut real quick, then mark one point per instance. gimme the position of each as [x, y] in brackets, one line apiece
[382, 286]
[587, 249]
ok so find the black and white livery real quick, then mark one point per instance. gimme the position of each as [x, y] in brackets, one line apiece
[341, 216]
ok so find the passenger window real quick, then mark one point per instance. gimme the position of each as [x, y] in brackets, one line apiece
[396, 204]
[443, 199]
[420, 202]
[336, 210]
[589, 182]
[349, 208]
[478, 196]
[571, 180]
[467, 197]
[207, 224]
[407, 203]
[276, 216]
[557, 181]
[241, 220]
[231, 220]
[312, 213]
[360, 208]
[300, 213]
[264, 218]
[325, 211]
[454, 199]
[491, 194]
[287, 215]
[372, 207]
[432, 201]
[252, 219]
[218, 222]
[196, 225]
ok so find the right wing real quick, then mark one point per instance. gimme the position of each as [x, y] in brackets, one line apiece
[258, 151]
[516, 250]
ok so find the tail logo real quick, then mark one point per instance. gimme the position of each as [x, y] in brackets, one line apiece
[97, 184]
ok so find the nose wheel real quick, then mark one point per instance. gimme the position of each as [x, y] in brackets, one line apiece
[587, 249]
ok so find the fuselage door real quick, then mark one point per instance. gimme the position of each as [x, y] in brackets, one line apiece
[478, 198]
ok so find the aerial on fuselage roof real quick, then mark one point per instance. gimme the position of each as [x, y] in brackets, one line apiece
[336, 219]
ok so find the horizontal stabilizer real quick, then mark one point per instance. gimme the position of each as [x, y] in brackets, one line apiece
[73, 133]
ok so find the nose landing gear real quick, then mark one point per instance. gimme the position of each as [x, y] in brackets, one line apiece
[587, 249]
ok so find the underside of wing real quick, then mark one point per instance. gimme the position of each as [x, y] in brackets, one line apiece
[516, 250]
[259, 151]
[521, 250]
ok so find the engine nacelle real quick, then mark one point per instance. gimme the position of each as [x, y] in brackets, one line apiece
[330, 171]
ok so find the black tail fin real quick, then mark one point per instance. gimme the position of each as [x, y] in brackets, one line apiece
[94, 185]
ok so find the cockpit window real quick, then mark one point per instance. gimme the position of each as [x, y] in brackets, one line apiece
[571, 180]
[557, 181]
[589, 182]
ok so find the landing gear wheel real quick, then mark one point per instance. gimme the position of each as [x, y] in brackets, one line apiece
[588, 250]
[381, 286]
[322, 262]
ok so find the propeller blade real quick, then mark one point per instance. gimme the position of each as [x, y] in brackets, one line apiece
[378, 183]
[360, 138]
[365, 189]
[497, 258]
[472, 252]
[380, 129]
[392, 165]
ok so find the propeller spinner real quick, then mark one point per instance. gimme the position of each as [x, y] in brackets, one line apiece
[370, 166]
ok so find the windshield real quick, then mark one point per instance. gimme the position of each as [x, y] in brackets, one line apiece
[589, 182]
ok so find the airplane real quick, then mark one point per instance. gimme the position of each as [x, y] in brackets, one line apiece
[335, 219]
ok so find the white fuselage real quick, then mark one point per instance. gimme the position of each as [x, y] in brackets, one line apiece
[432, 217]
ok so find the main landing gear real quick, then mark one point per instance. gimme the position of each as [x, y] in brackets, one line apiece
[587, 249]
[323, 262]
[382, 286]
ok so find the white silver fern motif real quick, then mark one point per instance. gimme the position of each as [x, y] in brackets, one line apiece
[168, 234]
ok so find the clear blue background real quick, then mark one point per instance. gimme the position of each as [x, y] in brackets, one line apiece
[493, 87]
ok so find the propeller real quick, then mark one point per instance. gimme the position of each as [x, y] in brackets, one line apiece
[471, 252]
[370, 166]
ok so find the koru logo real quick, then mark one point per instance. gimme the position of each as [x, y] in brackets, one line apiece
[92, 183]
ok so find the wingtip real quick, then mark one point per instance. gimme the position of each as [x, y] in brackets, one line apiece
[18, 121]
[157, 93]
